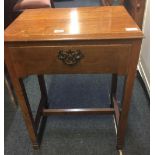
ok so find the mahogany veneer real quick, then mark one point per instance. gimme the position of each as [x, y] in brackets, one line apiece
[73, 40]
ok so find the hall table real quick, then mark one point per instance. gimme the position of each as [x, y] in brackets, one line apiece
[86, 40]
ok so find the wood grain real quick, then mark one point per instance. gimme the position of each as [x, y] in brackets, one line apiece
[22, 100]
[127, 93]
[34, 39]
[73, 24]
[47, 112]
[96, 59]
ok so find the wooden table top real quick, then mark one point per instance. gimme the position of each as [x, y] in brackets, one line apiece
[85, 23]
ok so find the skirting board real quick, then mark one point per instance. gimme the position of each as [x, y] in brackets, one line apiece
[144, 77]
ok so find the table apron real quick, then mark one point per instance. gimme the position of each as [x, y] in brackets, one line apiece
[75, 59]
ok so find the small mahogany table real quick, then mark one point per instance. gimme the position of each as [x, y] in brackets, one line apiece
[86, 40]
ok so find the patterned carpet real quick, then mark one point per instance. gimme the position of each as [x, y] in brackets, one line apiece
[74, 135]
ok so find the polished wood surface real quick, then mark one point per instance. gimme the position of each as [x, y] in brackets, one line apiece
[128, 87]
[96, 59]
[88, 111]
[108, 39]
[136, 8]
[73, 24]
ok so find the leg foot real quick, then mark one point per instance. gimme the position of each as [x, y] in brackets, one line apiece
[36, 146]
[119, 147]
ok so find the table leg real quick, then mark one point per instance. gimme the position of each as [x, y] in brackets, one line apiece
[9, 86]
[52, 4]
[10, 90]
[22, 100]
[43, 104]
[113, 88]
[43, 89]
[125, 109]
[27, 113]
[128, 86]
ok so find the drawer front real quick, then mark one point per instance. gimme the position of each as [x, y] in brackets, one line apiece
[70, 59]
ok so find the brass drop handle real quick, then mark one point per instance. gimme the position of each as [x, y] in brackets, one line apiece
[70, 57]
